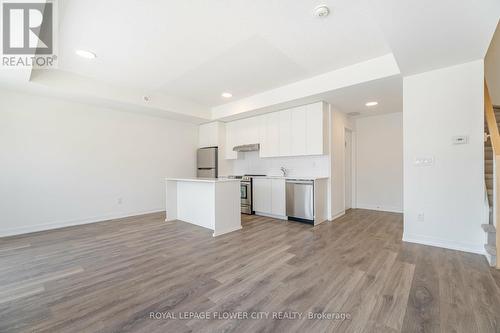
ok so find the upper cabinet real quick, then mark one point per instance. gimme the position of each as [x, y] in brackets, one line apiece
[299, 131]
[241, 132]
[316, 129]
[208, 135]
[285, 133]
[231, 140]
[272, 135]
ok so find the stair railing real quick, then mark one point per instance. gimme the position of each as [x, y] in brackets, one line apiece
[494, 136]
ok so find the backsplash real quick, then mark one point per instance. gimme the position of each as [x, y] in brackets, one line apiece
[251, 163]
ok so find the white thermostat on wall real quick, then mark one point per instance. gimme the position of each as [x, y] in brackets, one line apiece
[460, 139]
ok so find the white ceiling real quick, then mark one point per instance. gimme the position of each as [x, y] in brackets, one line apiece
[198, 49]
[387, 92]
[185, 53]
[431, 34]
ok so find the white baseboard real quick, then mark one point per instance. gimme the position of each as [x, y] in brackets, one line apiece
[336, 216]
[226, 231]
[279, 217]
[444, 243]
[70, 223]
[390, 209]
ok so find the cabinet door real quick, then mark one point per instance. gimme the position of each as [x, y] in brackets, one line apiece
[278, 200]
[229, 153]
[273, 134]
[285, 132]
[314, 131]
[299, 127]
[237, 133]
[262, 195]
[261, 124]
[208, 135]
[252, 130]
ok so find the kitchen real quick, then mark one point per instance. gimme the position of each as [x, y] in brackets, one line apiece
[280, 159]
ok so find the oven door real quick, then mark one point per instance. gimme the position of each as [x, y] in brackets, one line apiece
[246, 194]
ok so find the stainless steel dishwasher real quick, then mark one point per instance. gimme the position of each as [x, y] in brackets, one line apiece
[300, 200]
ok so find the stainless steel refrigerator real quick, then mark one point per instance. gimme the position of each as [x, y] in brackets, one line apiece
[207, 162]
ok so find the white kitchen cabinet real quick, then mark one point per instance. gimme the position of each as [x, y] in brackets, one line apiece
[298, 130]
[269, 196]
[262, 195]
[285, 133]
[316, 129]
[231, 139]
[261, 124]
[249, 130]
[278, 197]
[273, 134]
[208, 135]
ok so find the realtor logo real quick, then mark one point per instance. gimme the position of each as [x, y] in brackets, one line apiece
[28, 37]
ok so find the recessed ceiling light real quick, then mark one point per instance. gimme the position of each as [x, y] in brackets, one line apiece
[227, 95]
[371, 104]
[321, 11]
[86, 54]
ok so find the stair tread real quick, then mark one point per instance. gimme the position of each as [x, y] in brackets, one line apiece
[490, 228]
[492, 250]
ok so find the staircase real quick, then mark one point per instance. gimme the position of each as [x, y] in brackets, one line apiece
[491, 123]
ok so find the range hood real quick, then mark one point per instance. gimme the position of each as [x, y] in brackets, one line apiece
[246, 148]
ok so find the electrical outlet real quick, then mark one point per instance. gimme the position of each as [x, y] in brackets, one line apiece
[460, 140]
[119, 201]
[421, 217]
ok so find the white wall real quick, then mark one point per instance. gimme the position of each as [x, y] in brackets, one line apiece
[299, 166]
[379, 162]
[492, 67]
[64, 163]
[340, 122]
[438, 105]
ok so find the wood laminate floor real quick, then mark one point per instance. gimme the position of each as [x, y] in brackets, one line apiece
[355, 272]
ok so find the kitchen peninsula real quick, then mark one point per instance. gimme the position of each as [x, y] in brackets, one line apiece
[210, 203]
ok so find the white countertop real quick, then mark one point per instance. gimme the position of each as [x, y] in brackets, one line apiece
[204, 180]
[293, 177]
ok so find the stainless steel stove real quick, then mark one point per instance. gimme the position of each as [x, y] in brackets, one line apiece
[246, 193]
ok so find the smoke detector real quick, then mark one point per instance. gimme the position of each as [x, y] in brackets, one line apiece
[321, 11]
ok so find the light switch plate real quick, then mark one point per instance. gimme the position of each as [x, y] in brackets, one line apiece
[424, 161]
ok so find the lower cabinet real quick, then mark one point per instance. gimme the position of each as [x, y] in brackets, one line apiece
[261, 195]
[269, 196]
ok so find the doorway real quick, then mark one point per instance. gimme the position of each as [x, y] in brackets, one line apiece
[348, 169]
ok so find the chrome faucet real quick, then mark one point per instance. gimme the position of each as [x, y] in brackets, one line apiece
[285, 171]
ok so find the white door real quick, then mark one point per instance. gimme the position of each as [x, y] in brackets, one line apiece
[348, 169]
